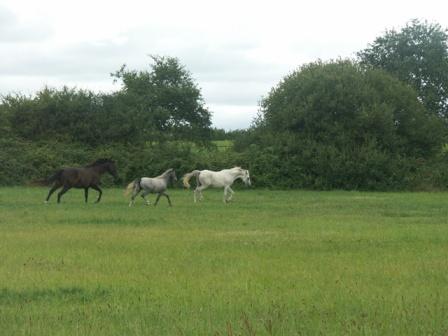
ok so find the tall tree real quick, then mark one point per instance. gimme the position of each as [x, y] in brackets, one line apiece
[418, 55]
[165, 102]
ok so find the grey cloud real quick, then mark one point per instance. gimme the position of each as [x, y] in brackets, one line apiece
[80, 62]
[237, 93]
[14, 31]
[233, 116]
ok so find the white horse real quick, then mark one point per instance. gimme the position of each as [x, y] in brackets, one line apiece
[221, 179]
[156, 185]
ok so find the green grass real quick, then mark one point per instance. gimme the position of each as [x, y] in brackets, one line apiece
[270, 263]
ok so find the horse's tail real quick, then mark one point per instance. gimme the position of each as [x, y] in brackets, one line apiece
[56, 176]
[131, 186]
[188, 176]
[48, 180]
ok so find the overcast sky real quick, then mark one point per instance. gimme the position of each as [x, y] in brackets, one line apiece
[236, 50]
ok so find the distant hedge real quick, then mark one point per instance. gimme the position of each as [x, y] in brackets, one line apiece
[25, 163]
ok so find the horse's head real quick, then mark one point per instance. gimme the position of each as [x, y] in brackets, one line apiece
[105, 165]
[173, 175]
[111, 168]
[170, 174]
[245, 177]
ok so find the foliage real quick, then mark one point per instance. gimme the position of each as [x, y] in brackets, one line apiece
[325, 126]
[418, 55]
[337, 125]
[222, 134]
[165, 102]
[64, 115]
[25, 162]
[160, 105]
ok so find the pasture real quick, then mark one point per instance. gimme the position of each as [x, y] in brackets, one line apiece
[269, 263]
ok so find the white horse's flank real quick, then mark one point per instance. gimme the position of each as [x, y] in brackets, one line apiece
[156, 185]
[221, 179]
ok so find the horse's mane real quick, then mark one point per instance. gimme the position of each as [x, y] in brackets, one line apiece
[99, 162]
[166, 172]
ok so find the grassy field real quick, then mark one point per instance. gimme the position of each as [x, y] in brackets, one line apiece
[270, 263]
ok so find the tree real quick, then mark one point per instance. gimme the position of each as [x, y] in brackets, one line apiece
[5, 125]
[157, 105]
[339, 125]
[164, 102]
[417, 55]
[66, 114]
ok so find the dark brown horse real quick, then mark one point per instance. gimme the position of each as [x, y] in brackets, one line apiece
[86, 177]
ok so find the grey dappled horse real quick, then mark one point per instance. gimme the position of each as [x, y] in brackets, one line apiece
[155, 185]
[220, 179]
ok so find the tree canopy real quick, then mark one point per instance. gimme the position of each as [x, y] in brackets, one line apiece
[338, 124]
[165, 102]
[418, 55]
[339, 102]
[152, 106]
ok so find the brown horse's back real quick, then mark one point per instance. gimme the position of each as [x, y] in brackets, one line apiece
[78, 177]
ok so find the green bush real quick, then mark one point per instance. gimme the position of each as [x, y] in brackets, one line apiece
[339, 126]
[25, 162]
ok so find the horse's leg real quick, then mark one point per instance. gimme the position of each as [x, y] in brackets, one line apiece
[144, 193]
[198, 190]
[194, 194]
[52, 190]
[135, 192]
[231, 194]
[167, 197]
[86, 194]
[228, 193]
[62, 192]
[157, 199]
[225, 194]
[99, 190]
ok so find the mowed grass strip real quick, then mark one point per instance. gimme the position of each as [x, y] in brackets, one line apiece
[269, 263]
